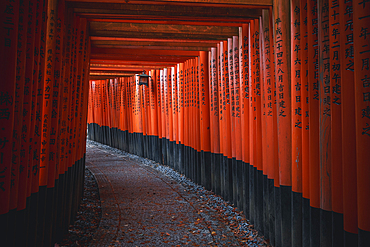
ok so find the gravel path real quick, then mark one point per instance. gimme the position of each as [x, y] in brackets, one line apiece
[146, 204]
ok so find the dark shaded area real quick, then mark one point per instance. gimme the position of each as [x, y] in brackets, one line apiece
[88, 216]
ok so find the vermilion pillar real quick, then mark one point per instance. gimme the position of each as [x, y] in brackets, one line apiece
[336, 123]
[283, 101]
[313, 79]
[361, 37]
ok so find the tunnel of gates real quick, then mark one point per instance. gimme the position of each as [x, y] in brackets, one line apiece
[273, 120]
[276, 120]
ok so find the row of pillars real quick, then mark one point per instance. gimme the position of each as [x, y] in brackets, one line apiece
[275, 120]
[44, 53]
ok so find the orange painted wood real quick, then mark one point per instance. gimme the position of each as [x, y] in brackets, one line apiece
[169, 103]
[252, 106]
[244, 92]
[181, 99]
[197, 106]
[214, 94]
[204, 103]
[80, 88]
[26, 145]
[226, 100]
[237, 112]
[153, 103]
[231, 93]
[124, 110]
[163, 116]
[39, 94]
[17, 167]
[283, 84]
[325, 107]
[269, 85]
[166, 103]
[66, 97]
[8, 46]
[57, 85]
[158, 102]
[296, 89]
[258, 95]
[192, 127]
[313, 79]
[211, 109]
[336, 115]
[84, 105]
[220, 97]
[96, 50]
[73, 110]
[304, 101]
[263, 101]
[361, 37]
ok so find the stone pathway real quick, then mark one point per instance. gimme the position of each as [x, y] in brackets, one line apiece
[143, 207]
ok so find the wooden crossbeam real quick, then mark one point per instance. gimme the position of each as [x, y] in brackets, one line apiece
[144, 52]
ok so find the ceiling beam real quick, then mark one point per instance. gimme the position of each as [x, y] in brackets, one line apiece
[133, 63]
[166, 11]
[144, 52]
[169, 59]
[221, 3]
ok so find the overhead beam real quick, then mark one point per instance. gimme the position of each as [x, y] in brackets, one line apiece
[169, 20]
[161, 28]
[119, 66]
[144, 52]
[133, 63]
[157, 31]
[173, 59]
[167, 11]
[222, 3]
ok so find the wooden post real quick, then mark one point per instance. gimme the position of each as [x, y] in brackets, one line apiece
[283, 93]
[244, 98]
[361, 37]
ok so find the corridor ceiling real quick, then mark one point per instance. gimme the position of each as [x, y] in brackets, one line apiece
[129, 36]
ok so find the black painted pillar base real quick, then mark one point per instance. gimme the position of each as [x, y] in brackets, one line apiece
[325, 228]
[227, 174]
[181, 158]
[278, 237]
[176, 156]
[338, 229]
[252, 194]
[191, 163]
[49, 215]
[351, 239]
[21, 227]
[207, 170]
[171, 160]
[286, 215]
[271, 210]
[315, 226]
[266, 198]
[33, 220]
[363, 238]
[217, 174]
[306, 222]
[234, 181]
[239, 177]
[259, 200]
[296, 218]
[198, 167]
[245, 185]
[41, 215]
[186, 161]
